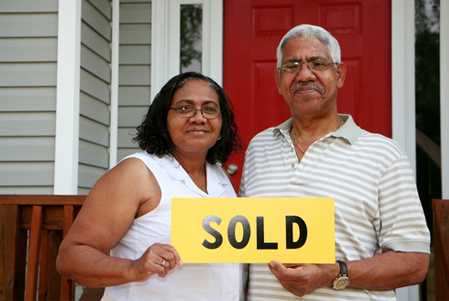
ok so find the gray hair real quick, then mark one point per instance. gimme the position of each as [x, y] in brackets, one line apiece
[310, 31]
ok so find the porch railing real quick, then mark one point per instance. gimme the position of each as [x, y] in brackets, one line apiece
[31, 229]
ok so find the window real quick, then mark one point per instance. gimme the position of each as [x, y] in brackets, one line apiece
[187, 35]
[191, 37]
[427, 95]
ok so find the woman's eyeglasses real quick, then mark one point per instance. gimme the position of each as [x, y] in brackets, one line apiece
[208, 110]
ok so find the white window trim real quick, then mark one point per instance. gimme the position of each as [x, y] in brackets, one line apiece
[444, 96]
[159, 45]
[403, 84]
[115, 43]
[403, 94]
[166, 36]
[67, 98]
[403, 77]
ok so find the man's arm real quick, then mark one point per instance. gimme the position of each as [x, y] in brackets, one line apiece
[385, 271]
[388, 270]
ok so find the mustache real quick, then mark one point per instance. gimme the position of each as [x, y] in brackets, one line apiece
[304, 86]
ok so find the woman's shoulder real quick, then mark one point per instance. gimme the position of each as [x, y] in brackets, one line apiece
[151, 161]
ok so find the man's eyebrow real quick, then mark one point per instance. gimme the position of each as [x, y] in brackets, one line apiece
[318, 57]
[292, 60]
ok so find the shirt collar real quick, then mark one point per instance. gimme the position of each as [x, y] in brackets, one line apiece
[349, 131]
[216, 181]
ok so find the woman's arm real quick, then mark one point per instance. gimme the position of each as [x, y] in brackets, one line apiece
[125, 192]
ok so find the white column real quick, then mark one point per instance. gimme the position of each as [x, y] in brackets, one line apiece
[213, 41]
[113, 127]
[403, 77]
[444, 96]
[403, 94]
[67, 98]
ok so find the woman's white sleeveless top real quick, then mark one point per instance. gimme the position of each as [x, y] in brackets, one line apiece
[191, 282]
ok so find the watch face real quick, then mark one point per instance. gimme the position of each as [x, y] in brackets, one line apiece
[341, 283]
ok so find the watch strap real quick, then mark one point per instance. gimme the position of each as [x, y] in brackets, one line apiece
[343, 268]
[342, 280]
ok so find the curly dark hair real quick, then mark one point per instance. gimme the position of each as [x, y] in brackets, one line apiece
[153, 136]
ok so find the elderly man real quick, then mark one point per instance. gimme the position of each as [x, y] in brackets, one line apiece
[382, 241]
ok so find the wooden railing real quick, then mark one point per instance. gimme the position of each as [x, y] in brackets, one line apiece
[440, 210]
[31, 229]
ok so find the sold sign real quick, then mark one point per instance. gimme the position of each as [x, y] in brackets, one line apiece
[254, 230]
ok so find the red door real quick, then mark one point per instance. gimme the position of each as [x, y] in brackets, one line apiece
[252, 30]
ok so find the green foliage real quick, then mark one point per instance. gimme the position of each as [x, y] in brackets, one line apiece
[191, 21]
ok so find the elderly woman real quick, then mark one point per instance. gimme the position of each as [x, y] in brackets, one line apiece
[120, 238]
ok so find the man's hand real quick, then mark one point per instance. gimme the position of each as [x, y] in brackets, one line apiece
[301, 280]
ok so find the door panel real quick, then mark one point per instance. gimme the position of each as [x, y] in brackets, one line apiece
[252, 30]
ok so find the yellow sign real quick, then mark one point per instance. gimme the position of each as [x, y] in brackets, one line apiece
[254, 230]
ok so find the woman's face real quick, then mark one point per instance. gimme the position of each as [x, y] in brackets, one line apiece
[195, 134]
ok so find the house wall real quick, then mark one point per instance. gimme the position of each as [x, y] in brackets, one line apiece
[28, 73]
[28, 43]
[95, 96]
[134, 70]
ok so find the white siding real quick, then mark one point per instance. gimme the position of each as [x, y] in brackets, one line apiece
[29, 25]
[15, 149]
[28, 124]
[18, 99]
[27, 6]
[89, 175]
[26, 50]
[28, 65]
[26, 174]
[28, 40]
[134, 72]
[95, 95]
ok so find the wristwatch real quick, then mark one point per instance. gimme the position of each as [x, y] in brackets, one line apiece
[342, 280]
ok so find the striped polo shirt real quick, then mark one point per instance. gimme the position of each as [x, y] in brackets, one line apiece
[369, 177]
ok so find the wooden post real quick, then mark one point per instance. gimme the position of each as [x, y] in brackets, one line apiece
[33, 254]
[46, 218]
[8, 235]
[441, 247]
[67, 284]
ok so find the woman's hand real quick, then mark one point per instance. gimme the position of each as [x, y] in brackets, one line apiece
[158, 259]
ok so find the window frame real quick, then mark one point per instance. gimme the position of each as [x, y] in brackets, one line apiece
[165, 40]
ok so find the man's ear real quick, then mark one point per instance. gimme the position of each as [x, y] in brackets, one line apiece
[341, 74]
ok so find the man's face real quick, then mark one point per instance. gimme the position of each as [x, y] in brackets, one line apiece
[309, 91]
